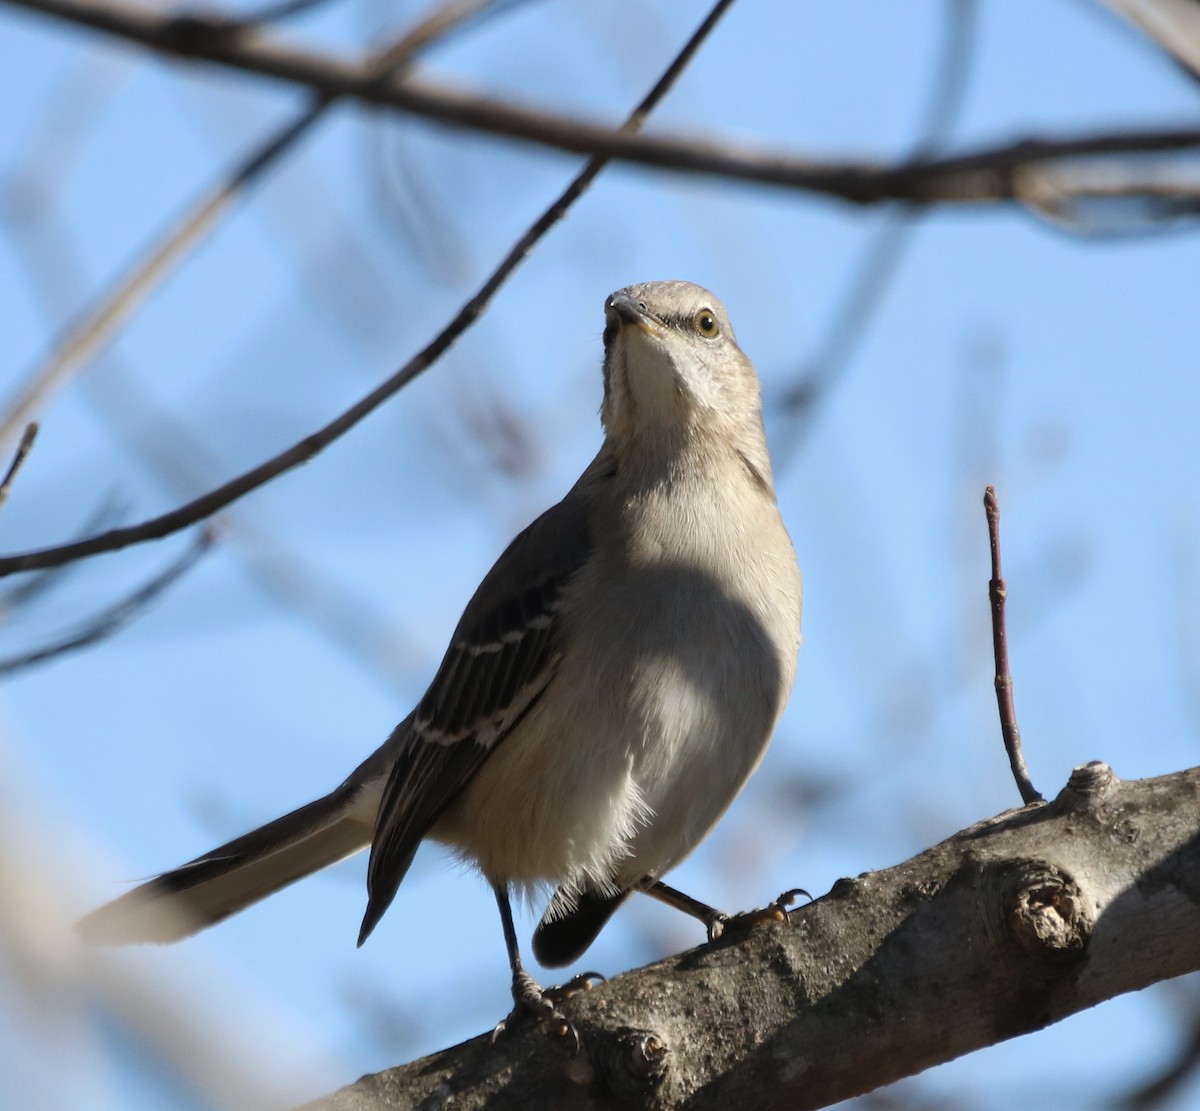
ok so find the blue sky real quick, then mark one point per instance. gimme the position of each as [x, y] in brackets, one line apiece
[1062, 369]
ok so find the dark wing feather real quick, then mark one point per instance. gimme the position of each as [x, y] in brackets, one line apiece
[499, 663]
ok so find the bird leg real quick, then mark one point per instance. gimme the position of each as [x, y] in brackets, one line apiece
[715, 921]
[529, 997]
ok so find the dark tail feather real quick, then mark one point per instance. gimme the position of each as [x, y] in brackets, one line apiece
[563, 938]
[228, 879]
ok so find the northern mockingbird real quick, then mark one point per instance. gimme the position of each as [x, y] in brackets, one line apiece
[609, 689]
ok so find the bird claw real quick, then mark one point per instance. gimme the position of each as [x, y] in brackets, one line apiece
[533, 1001]
[775, 911]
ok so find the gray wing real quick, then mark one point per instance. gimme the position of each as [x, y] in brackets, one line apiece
[500, 661]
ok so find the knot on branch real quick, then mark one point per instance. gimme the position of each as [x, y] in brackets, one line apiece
[631, 1064]
[1043, 913]
[1090, 784]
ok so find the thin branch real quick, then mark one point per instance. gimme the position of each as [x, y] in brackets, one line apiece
[302, 452]
[27, 438]
[115, 617]
[436, 27]
[1170, 1080]
[988, 174]
[1114, 204]
[947, 91]
[199, 23]
[185, 466]
[84, 338]
[881, 259]
[1172, 28]
[25, 591]
[275, 11]
[998, 594]
[282, 572]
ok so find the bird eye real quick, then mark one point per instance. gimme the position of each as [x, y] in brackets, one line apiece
[706, 324]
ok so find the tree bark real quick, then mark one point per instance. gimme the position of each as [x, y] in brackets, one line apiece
[1004, 928]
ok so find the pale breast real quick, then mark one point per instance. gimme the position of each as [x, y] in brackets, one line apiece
[679, 653]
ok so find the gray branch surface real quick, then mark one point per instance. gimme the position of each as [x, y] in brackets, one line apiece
[1004, 928]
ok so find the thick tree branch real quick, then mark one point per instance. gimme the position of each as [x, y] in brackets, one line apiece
[1004, 928]
[998, 173]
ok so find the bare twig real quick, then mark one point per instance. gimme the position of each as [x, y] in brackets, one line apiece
[25, 591]
[881, 259]
[83, 338]
[115, 617]
[986, 175]
[435, 27]
[284, 570]
[27, 438]
[998, 594]
[275, 11]
[306, 449]
[183, 462]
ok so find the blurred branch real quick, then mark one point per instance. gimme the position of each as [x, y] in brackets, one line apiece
[1001, 173]
[166, 444]
[306, 449]
[84, 338]
[1010, 925]
[1109, 201]
[275, 11]
[116, 617]
[1169, 1079]
[1173, 25]
[27, 438]
[59, 989]
[1167, 1085]
[285, 571]
[22, 593]
[881, 259]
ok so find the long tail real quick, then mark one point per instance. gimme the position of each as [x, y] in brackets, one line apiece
[212, 887]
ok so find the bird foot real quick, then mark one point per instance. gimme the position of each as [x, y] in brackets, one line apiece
[530, 999]
[776, 911]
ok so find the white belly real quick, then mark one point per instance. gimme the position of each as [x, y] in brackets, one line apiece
[649, 729]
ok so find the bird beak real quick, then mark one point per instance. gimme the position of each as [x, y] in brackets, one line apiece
[628, 310]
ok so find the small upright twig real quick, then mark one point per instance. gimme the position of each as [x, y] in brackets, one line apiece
[998, 594]
[27, 438]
